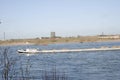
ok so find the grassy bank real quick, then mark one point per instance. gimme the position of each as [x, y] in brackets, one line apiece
[38, 41]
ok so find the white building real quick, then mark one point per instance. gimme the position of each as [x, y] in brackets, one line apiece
[109, 37]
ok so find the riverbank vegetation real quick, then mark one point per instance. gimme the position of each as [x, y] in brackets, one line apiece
[12, 68]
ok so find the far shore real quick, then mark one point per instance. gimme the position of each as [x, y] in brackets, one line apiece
[54, 41]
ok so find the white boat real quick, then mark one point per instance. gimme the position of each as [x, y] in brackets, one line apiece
[28, 51]
[67, 50]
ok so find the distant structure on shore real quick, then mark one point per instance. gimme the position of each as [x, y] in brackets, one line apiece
[52, 34]
[109, 37]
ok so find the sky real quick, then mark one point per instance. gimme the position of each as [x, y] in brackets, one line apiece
[37, 18]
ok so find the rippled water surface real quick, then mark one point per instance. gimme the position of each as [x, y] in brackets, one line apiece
[97, 65]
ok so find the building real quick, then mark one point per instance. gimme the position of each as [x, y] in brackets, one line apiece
[109, 37]
[52, 35]
[44, 37]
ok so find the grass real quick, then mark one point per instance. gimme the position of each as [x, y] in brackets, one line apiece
[38, 41]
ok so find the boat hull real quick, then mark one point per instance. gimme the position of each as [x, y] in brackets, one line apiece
[68, 50]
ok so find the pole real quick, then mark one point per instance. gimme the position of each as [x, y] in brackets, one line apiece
[4, 36]
[0, 22]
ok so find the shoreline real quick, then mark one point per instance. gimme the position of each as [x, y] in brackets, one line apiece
[7, 43]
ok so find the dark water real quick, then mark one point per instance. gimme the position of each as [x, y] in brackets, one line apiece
[97, 65]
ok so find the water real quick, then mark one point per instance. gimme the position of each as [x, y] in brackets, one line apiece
[97, 65]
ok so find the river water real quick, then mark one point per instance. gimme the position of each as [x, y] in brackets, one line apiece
[97, 65]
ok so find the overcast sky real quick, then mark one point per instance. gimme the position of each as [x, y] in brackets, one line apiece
[37, 18]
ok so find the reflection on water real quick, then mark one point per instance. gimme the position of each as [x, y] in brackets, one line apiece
[29, 54]
[101, 65]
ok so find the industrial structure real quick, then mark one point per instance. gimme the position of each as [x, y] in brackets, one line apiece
[109, 37]
[52, 35]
